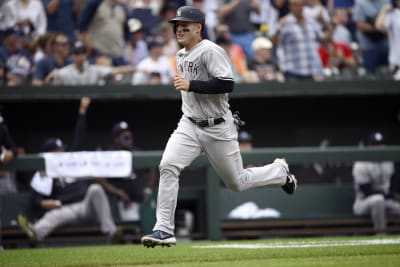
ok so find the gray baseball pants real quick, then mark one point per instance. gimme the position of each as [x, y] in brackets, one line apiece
[94, 208]
[378, 207]
[219, 143]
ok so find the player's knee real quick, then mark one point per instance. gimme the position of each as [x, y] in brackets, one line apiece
[377, 200]
[166, 168]
[95, 189]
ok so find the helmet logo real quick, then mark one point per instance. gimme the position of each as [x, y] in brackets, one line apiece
[179, 12]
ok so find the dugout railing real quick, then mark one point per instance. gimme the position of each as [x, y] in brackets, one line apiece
[213, 194]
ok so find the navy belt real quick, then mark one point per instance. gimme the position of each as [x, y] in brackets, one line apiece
[207, 123]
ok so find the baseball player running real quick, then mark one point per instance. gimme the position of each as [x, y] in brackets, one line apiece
[207, 126]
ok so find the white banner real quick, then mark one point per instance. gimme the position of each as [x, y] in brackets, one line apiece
[88, 164]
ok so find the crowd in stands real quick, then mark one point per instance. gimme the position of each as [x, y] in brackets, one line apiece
[95, 42]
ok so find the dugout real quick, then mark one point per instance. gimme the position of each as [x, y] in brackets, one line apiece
[300, 114]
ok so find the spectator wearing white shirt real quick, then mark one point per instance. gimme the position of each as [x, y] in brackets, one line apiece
[28, 15]
[389, 20]
[156, 64]
[81, 72]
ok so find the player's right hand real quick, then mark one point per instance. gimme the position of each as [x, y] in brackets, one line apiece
[181, 83]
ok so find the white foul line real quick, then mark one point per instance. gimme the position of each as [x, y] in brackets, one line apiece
[307, 244]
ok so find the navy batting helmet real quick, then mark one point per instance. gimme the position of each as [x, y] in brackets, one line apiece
[375, 138]
[189, 14]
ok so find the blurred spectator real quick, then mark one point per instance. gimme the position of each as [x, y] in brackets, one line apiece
[334, 4]
[209, 7]
[373, 42]
[103, 28]
[336, 57]
[235, 52]
[44, 46]
[8, 151]
[15, 62]
[263, 63]
[57, 59]
[236, 13]
[68, 201]
[317, 11]
[81, 72]
[155, 63]
[277, 10]
[168, 10]
[259, 19]
[340, 22]
[240, 70]
[171, 46]
[245, 141]
[130, 190]
[271, 21]
[282, 7]
[153, 5]
[297, 45]
[29, 16]
[373, 184]
[61, 16]
[147, 12]
[5, 19]
[136, 47]
[389, 20]
[200, 5]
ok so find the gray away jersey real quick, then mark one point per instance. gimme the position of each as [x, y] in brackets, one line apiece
[379, 174]
[204, 61]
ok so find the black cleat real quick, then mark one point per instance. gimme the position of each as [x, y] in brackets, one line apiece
[158, 238]
[291, 184]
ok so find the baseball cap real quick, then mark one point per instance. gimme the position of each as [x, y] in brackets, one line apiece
[78, 48]
[261, 42]
[134, 25]
[119, 127]
[375, 138]
[189, 14]
[12, 32]
[53, 144]
[154, 41]
[244, 136]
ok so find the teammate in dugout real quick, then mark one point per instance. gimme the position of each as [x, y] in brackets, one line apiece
[207, 126]
[374, 185]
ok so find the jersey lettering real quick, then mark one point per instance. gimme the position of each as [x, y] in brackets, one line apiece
[189, 66]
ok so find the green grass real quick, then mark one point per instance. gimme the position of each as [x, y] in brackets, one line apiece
[307, 252]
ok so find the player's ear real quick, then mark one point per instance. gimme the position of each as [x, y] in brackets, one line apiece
[199, 27]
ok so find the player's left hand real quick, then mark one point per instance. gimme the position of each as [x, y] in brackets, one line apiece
[181, 83]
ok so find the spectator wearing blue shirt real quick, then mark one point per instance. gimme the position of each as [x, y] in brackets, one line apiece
[61, 16]
[58, 59]
[15, 62]
[236, 13]
[373, 42]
